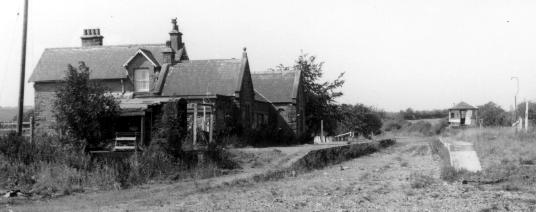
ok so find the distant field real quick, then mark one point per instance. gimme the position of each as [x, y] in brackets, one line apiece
[7, 113]
[431, 121]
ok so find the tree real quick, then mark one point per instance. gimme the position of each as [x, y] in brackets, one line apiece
[493, 115]
[360, 119]
[84, 108]
[521, 111]
[25, 116]
[319, 96]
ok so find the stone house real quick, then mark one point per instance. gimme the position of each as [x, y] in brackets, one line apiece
[462, 115]
[282, 91]
[144, 76]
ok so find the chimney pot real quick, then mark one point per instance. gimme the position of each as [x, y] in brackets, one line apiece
[92, 37]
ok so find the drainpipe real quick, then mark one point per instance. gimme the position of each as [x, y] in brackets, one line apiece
[122, 87]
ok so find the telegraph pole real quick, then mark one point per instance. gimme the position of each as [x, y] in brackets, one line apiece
[515, 97]
[22, 69]
[526, 116]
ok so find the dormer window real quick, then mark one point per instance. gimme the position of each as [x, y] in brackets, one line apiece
[141, 80]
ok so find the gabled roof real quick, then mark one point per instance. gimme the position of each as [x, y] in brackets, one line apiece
[204, 77]
[260, 97]
[276, 86]
[463, 105]
[145, 53]
[105, 62]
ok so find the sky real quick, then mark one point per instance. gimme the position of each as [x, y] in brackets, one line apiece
[422, 54]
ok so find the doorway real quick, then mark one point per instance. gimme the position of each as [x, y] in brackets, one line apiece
[462, 117]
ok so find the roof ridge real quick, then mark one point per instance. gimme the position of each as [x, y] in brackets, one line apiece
[275, 72]
[107, 46]
[234, 59]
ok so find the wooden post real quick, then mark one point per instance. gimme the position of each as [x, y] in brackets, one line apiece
[211, 126]
[31, 129]
[204, 117]
[22, 69]
[194, 127]
[142, 132]
[322, 131]
[526, 116]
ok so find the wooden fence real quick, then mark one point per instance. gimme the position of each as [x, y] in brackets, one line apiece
[11, 126]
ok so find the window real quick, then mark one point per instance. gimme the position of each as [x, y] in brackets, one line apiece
[141, 80]
[452, 115]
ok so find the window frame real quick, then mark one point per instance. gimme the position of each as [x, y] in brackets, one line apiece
[147, 87]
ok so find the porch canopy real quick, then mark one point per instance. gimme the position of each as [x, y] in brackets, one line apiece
[138, 106]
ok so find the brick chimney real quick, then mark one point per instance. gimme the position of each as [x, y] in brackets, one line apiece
[175, 36]
[168, 53]
[92, 37]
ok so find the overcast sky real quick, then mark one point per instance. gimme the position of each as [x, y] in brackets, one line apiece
[396, 54]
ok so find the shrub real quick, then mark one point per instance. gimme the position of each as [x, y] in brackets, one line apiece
[392, 125]
[450, 174]
[418, 180]
[57, 178]
[84, 108]
[154, 162]
[421, 127]
[439, 127]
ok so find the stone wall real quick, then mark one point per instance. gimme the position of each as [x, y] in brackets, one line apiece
[44, 120]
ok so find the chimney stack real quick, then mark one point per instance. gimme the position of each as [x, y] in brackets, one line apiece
[92, 37]
[175, 36]
[168, 53]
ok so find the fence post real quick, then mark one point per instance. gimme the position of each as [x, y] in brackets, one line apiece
[31, 129]
[194, 127]
[211, 125]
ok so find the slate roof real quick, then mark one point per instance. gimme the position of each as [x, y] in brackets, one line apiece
[105, 62]
[204, 77]
[462, 105]
[260, 96]
[276, 86]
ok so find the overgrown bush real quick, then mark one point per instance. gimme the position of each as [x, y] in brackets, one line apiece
[154, 162]
[421, 127]
[51, 166]
[360, 119]
[84, 108]
[439, 127]
[391, 125]
[418, 180]
[417, 128]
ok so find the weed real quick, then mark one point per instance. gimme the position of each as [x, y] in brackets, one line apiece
[510, 187]
[450, 174]
[404, 164]
[418, 180]
[364, 177]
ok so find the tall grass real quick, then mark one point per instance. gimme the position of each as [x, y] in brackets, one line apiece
[51, 166]
[500, 145]
[505, 154]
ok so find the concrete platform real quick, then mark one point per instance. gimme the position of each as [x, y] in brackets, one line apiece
[462, 155]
